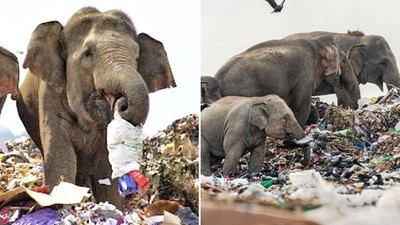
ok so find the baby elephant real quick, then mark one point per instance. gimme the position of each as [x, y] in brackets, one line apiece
[233, 126]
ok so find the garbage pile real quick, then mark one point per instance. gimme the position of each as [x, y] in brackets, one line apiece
[170, 162]
[354, 164]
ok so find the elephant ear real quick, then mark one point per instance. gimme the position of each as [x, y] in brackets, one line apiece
[153, 64]
[331, 60]
[355, 56]
[44, 55]
[204, 86]
[258, 115]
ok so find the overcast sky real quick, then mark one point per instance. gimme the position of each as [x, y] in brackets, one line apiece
[231, 26]
[176, 23]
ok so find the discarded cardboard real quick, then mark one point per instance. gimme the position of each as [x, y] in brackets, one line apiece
[64, 193]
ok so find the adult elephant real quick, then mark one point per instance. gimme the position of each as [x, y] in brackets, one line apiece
[370, 56]
[291, 69]
[78, 76]
[9, 76]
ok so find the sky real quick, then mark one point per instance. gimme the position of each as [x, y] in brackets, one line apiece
[176, 23]
[229, 27]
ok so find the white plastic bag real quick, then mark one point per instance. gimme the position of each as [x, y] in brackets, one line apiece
[124, 143]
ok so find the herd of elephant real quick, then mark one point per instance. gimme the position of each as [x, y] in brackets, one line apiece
[267, 89]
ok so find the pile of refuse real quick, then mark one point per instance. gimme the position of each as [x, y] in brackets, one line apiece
[171, 162]
[355, 164]
[169, 159]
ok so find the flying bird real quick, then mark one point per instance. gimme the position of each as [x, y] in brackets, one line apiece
[277, 8]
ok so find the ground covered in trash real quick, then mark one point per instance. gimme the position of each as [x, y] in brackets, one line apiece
[354, 176]
[170, 161]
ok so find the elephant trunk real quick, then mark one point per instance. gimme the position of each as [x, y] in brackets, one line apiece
[393, 80]
[15, 90]
[298, 132]
[133, 105]
[351, 87]
[129, 96]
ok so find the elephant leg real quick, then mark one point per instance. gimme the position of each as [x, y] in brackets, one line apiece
[232, 156]
[205, 158]
[342, 98]
[104, 192]
[307, 155]
[314, 116]
[300, 106]
[28, 110]
[2, 101]
[257, 158]
[59, 160]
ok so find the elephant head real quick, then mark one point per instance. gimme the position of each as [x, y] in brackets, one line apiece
[272, 115]
[339, 71]
[9, 74]
[209, 90]
[330, 59]
[373, 61]
[101, 65]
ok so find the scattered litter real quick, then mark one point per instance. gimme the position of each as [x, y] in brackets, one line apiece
[354, 165]
[25, 200]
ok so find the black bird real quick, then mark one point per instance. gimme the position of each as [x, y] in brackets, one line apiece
[276, 7]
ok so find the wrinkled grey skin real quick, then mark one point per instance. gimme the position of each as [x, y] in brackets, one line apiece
[209, 90]
[370, 56]
[233, 126]
[9, 76]
[291, 69]
[78, 76]
[349, 93]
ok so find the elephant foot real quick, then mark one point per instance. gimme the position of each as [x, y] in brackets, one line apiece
[102, 193]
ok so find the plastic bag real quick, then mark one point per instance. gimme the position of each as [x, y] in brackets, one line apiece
[124, 143]
[45, 216]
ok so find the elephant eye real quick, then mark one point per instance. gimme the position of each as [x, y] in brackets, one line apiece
[383, 63]
[88, 53]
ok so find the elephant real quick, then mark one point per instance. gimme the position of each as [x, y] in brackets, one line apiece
[209, 90]
[291, 69]
[370, 56]
[79, 75]
[234, 126]
[9, 76]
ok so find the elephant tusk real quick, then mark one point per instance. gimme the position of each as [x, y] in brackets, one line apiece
[110, 98]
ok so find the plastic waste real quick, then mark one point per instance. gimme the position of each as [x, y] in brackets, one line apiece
[344, 133]
[124, 142]
[187, 216]
[45, 216]
[267, 183]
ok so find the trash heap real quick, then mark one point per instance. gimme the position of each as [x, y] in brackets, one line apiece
[170, 162]
[354, 165]
[21, 165]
